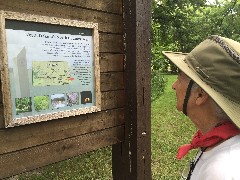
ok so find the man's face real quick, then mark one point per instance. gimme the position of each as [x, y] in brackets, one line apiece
[180, 86]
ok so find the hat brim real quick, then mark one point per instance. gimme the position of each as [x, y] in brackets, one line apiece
[231, 108]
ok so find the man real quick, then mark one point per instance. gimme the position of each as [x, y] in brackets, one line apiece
[208, 92]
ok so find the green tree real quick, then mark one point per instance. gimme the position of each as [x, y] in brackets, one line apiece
[179, 25]
[187, 22]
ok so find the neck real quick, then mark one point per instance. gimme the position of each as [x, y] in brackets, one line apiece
[205, 124]
[205, 120]
[212, 124]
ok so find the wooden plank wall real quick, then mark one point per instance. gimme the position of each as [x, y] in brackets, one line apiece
[56, 140]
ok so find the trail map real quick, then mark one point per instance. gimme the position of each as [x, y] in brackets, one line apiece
[48, 73]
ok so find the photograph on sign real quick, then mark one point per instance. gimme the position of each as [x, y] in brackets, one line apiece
[51, 69]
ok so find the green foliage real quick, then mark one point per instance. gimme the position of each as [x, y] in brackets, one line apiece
[41, 103]
[23, 105]
[158, 83]
[181, 25]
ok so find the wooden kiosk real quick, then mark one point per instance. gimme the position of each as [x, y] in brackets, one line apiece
[75, 77]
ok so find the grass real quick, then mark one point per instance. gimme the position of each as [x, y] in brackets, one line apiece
[95, 165]
[170, 129]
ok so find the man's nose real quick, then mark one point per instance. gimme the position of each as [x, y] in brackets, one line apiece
[174, 86]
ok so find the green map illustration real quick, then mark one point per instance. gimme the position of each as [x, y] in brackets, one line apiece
[49, 73]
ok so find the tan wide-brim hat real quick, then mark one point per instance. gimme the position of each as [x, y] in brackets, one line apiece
[215, 66]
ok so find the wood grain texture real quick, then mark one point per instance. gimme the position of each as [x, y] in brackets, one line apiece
[111, 23]
[16, 162]
[27, 136]
[111, 62]
[112, 81]
[113, 99]
[137, 75]
[113, 6]
[111, 43]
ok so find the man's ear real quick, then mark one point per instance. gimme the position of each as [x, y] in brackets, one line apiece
[201, 96]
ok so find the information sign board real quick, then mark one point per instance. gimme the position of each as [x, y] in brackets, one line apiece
[50, 68]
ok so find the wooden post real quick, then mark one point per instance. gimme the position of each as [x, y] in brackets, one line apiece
[132, 158]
